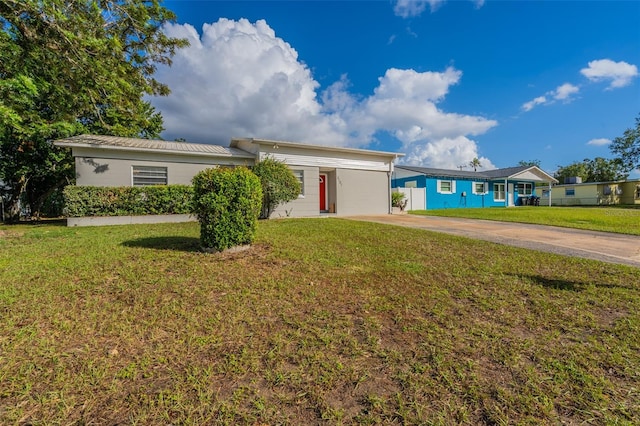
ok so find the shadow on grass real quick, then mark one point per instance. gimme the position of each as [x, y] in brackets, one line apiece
[38, 222]
[554, 283]
[559, 284]
[188, 244]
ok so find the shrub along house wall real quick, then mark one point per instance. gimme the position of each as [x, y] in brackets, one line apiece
[92, 205]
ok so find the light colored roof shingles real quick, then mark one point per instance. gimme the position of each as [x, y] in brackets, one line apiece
[486, 174]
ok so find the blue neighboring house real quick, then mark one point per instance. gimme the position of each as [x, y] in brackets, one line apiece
[445, 189]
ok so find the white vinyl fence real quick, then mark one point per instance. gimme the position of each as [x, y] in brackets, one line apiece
[416, 198]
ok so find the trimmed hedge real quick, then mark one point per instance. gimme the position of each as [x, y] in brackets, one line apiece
[83, 201]
[227, 203]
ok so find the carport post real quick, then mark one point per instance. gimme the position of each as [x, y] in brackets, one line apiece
[389, 204]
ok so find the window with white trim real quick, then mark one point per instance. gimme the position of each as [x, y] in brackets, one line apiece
[149, 175]
[569, 192]
[524, 188]
[479, 188]
[299, 174]
[499, 193]
[411, 184]
[446, 186]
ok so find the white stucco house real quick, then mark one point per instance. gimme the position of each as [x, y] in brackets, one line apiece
[340, 181]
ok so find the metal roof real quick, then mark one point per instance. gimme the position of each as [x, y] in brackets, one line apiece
[135, 144]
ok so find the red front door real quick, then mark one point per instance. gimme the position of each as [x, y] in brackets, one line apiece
[323, 192]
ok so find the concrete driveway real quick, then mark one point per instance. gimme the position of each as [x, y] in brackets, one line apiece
[604, 246]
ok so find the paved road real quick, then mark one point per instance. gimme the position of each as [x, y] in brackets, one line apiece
[604, 246]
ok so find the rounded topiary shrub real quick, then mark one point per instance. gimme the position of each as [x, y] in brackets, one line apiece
[227, 204]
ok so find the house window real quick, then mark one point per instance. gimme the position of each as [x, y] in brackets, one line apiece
[569, 192]
[299, 174]
[446, 186]
[499, 192]
[147, 175]
[525, 188]
[479, 188]
[411, 184]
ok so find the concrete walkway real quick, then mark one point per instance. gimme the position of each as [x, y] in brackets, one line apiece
[604, 246]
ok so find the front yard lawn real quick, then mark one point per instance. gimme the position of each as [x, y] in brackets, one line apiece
[608, 219]
[322, 321]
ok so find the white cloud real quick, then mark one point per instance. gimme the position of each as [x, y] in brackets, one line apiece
[564, 92]
[409, 84]
[446, 153]
[599, 142]
[411, 8]
[619, 73]
[528, 106]
[239, 79]
[561, 93]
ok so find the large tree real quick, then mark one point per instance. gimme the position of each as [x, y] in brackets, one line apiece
[70, 67]
[627, 147]
[597, 170]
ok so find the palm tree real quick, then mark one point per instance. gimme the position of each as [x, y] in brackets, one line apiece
[475, 163]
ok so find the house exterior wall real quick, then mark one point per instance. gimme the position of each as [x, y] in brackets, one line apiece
[594, 194]
[630, 192]
[362, 192]
[307, 204]
[114, 168]
[357, 182]
[561, 195]
[332, 189]
[349, 192]
[462, 194]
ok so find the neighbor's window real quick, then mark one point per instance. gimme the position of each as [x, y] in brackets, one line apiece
[411, 184]
[147, 175]
[479, 187]
[525, 188]
[498, 192]
[299, 174]
[446, 186]
[569, 192]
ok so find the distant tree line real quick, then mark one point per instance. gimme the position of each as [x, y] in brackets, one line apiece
[626, 151]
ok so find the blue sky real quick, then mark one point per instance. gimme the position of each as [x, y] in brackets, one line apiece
[441, 81]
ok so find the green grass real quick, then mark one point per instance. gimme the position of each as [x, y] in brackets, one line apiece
[322, 321]
[607, 219]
